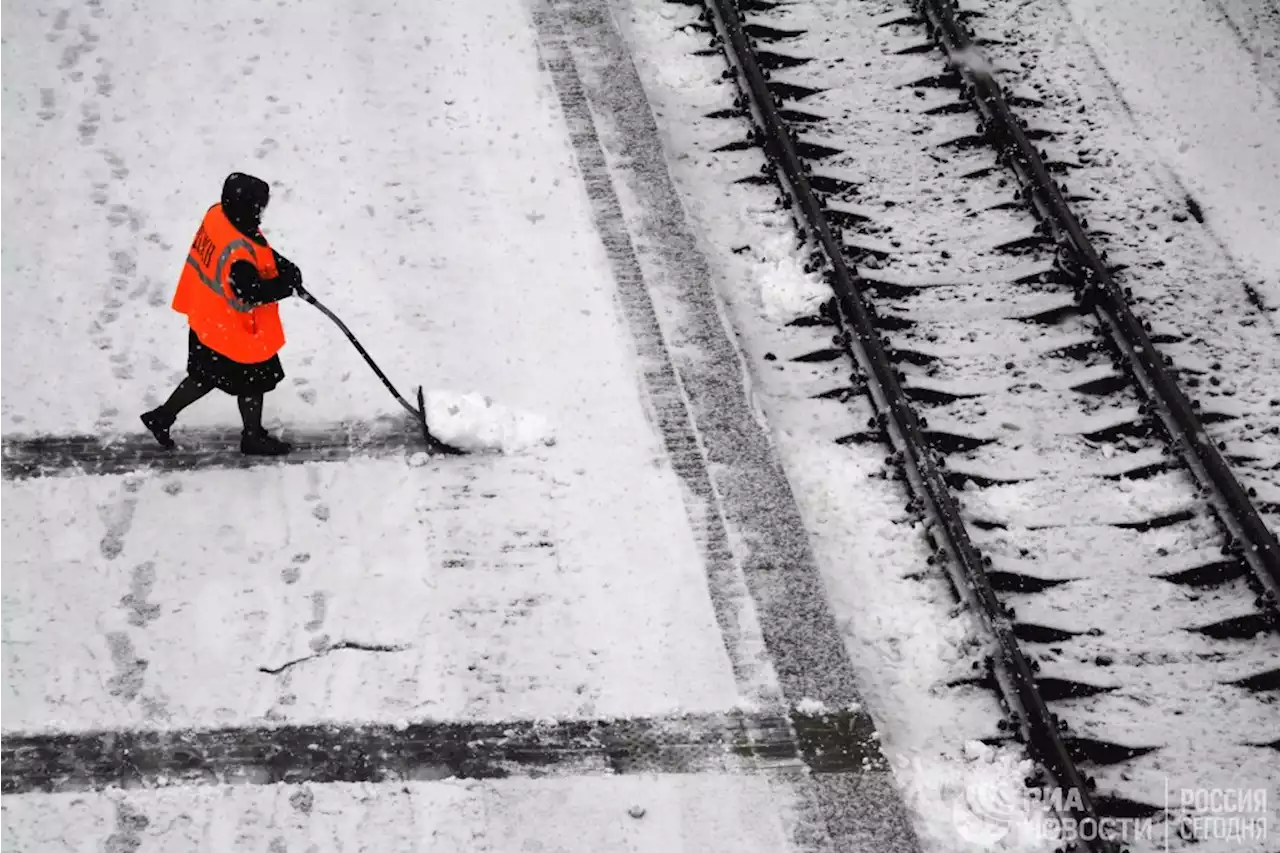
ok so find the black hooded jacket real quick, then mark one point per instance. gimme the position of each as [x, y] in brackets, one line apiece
[244, 197]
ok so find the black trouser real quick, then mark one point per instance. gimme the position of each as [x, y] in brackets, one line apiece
[191, 389]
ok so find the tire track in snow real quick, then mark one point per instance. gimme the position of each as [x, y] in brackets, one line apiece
[1258, 33]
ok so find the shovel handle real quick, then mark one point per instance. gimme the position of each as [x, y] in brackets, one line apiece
[306, 295]
[420, 413]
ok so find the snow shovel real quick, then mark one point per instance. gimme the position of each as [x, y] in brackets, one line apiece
[434, 444]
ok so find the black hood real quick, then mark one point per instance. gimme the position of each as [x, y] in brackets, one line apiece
[243, 199]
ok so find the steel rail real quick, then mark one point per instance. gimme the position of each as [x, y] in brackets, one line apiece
[1014, 673]
[1096, 289]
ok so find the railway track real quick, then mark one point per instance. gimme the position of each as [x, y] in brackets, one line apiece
[1079, 501]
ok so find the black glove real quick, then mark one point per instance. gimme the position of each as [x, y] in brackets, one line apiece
[290, 275]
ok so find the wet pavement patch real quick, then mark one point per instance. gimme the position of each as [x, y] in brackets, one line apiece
[726, 743]
[30, 456]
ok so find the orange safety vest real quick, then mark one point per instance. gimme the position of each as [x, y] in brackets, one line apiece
[220, 320]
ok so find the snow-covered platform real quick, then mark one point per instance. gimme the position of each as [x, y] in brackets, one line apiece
[423, 182]
[705, 813]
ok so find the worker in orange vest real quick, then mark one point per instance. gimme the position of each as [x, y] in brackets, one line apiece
[229, 289]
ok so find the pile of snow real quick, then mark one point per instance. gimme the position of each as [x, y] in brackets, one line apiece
[475, 422]
[787, 292]
[986, 802]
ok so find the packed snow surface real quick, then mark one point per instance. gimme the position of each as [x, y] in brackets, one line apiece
[424, 182]
[559, 580]
[665, 814]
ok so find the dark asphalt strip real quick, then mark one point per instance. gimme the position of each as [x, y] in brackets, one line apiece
[726, 743]
[207, 448]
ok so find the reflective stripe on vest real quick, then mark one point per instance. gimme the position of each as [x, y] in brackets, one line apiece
[215, 283]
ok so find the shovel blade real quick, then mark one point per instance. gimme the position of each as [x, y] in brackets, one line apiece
[422, 417]
[434, 444]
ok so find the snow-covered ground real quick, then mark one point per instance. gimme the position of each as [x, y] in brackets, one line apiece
[505, 577]
[693, 813]
[1208, 108]
[429, 199]
[1170, 114]
[429, 180]
[1172, 132]
[905, 645]
[424, 181]
[931, 227]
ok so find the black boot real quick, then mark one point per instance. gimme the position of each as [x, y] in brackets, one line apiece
[256, 441]
[263, 443]
[160, 420]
